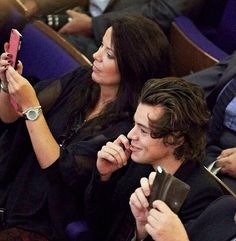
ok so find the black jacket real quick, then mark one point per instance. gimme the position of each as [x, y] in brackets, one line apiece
[46, 200]
[107, 203]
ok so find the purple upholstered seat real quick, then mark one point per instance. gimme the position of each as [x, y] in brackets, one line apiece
[193, 33]
[79, 231]
[42, 57]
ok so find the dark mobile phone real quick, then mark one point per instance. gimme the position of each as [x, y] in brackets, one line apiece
[14, 45]
[169, 189]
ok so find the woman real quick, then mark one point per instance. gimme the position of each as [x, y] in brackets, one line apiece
[43, 174]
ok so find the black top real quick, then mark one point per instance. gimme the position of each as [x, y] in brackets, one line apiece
[107, 203]
[45, 201]
[217, 222]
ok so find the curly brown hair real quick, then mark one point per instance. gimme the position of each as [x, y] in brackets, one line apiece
[185, 119]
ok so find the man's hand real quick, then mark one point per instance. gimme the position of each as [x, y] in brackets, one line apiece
[164, 225]
[80, 24]
[113, 156]
[139, 204]
[227, 161]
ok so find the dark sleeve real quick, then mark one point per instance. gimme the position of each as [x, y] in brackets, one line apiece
[164, 11]
[99, 204]
[107, 203]
[207, 78]
[77, 160]
[204, 190]
[217, 220]
[214, 78]
[14, 145]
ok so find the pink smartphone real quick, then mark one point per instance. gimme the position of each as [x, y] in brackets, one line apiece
[14, 45]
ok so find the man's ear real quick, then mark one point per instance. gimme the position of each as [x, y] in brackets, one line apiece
[175, 141]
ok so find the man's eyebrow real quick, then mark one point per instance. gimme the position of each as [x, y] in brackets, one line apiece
[141, 125]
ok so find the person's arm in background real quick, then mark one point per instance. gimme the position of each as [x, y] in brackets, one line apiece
[161, 11]
[227, 161]
[164, 11]
[80, 23]
[214, 78]
[46, 7]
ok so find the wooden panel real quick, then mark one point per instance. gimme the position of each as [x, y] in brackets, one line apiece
[187, 56]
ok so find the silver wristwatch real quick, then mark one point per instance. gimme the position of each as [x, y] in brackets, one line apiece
[32, 113]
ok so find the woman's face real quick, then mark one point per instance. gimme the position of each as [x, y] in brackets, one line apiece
[105, 67]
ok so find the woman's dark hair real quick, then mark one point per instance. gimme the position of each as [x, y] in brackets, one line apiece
[185, 117]
[142, 52]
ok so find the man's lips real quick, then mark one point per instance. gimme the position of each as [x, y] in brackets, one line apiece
[134, 148]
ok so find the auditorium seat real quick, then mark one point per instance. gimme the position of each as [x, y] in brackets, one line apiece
[191, 50]
[45, 54]
[225, 34]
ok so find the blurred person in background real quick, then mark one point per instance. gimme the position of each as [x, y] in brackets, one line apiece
[85, 27]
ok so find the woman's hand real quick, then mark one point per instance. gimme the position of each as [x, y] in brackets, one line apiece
[5, 61]
[20, 89]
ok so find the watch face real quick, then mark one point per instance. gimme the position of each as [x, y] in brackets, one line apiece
[32, 115]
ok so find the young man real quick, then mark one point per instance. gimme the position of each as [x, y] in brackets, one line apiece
[169, 131]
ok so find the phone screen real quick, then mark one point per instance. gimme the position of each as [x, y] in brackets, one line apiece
[14, 45]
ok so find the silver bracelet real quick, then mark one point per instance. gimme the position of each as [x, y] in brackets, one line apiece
[4, 87]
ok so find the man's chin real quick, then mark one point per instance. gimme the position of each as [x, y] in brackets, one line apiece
[136, 158]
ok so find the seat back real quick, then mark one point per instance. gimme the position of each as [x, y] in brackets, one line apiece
[79, 230]
[224, 187]
[45, 54]
[192, 51]
[225, 36]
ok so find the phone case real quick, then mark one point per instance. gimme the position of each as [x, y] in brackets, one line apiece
[14, 45]
[169, 189]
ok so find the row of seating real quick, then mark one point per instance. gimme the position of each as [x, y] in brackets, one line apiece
[188, 41]
[202, 46]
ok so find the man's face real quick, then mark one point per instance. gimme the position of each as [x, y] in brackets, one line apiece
[145, 149]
